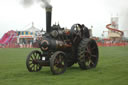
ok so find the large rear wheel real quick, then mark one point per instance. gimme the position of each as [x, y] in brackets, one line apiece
[87, 54]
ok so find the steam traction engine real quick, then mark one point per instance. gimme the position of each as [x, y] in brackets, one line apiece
[61, 48]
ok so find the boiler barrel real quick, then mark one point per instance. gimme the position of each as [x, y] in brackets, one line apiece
[51, 44]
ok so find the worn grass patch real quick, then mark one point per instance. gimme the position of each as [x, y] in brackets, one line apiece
[112, 69]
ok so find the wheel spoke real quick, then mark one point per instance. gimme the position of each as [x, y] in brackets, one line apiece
[33, 66]
[34, 55]
[30, 60]
[93, 48]
[30, 64]
[94, 56]
[87, 63]
[59, 58]
[82, 52]
[39, 57]
[74, 38]
[38, 66]
[92, 62]
[89, 46]
[88, 50]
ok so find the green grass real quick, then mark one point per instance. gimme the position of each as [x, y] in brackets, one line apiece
[112, 69]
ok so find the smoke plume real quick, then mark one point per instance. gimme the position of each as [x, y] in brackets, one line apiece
[27, 3]
[46, 3]
[43, 3]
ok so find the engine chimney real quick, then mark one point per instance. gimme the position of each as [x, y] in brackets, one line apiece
[48, 18]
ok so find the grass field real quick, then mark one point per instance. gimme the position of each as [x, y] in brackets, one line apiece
[112, 69]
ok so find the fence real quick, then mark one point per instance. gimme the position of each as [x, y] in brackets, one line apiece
[14, 45]
[112, 44]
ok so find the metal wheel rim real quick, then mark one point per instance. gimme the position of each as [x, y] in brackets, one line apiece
[58, 63]
[91, 54]
[31, 63]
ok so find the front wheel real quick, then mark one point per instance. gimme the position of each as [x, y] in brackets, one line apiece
[58, 63]
[31, 61]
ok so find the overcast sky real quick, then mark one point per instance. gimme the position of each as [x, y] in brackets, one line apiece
[14, 16]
